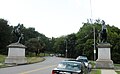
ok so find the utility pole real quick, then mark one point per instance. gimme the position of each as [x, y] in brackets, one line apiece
[93, 29]
[94, 45]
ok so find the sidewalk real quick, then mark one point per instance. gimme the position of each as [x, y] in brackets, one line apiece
[108, 71]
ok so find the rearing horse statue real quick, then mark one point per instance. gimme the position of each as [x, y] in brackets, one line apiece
[18, 33]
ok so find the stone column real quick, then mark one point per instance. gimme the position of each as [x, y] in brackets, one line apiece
[16, 54]
[104, 56]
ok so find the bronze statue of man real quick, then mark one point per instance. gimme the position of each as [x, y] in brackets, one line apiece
[103, 33]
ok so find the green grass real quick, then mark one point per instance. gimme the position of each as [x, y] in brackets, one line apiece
[34, 55]
[42, 54]
[34, 59]
[2, 58]
[117, 68]
[92, 63]
[29, 60]
[118, 72]
[95, 71]
[118, 65]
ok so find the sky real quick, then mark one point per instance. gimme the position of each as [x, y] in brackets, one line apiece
[55, 18]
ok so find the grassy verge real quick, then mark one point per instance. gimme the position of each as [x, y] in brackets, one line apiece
[2, 58]
[34, 59]
[39, 55]
[117, 66]
[118, 72]
[92, 63]
[95, 71]
[43, 54]
[30, 60]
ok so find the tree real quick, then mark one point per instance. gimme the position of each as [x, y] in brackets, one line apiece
[5, 35]
[59, 46]
[51, 44]
[30, 33]
[71, 44]
[33, 45]
[85, 39]
[77, 43]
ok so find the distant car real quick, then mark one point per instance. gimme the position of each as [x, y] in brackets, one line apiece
[83, 59]
[58, 55]
[51, 55]
[70, 67]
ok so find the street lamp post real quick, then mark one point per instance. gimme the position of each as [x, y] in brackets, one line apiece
[66, 48]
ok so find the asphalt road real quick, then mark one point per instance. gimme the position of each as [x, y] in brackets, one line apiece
[44, 67]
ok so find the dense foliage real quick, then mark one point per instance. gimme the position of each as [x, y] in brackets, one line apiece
[32, 39]
[72, 45]
[82, 43]
[5, 35]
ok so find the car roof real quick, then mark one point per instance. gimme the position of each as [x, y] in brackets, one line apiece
[82, 57]
[74, 61]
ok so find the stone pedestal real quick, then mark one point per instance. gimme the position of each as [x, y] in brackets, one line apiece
[104, 56]
[16, 54]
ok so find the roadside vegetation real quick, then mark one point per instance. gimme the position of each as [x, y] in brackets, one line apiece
[30, 60]
[2, 58]
[117, 68]
[118, 72]
[76, 44]
[95, 71]
[39, 55]
[92, 63]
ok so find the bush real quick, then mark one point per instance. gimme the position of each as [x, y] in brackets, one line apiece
[116, 58]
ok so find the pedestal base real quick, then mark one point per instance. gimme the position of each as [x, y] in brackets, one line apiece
[104, 64]
[16, 54]
[104, 56]
[16, 60]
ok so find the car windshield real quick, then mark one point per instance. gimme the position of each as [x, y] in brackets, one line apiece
[69, 66]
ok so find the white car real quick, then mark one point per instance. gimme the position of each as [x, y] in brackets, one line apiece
[83, 59]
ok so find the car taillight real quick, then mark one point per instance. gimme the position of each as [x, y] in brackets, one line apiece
[53, 72]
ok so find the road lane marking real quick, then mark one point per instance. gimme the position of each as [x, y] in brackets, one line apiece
[26, 72]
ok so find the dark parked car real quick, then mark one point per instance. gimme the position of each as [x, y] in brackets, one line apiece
[70, 67]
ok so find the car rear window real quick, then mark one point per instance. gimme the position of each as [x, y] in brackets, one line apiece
[82, 60]
[69, 66]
